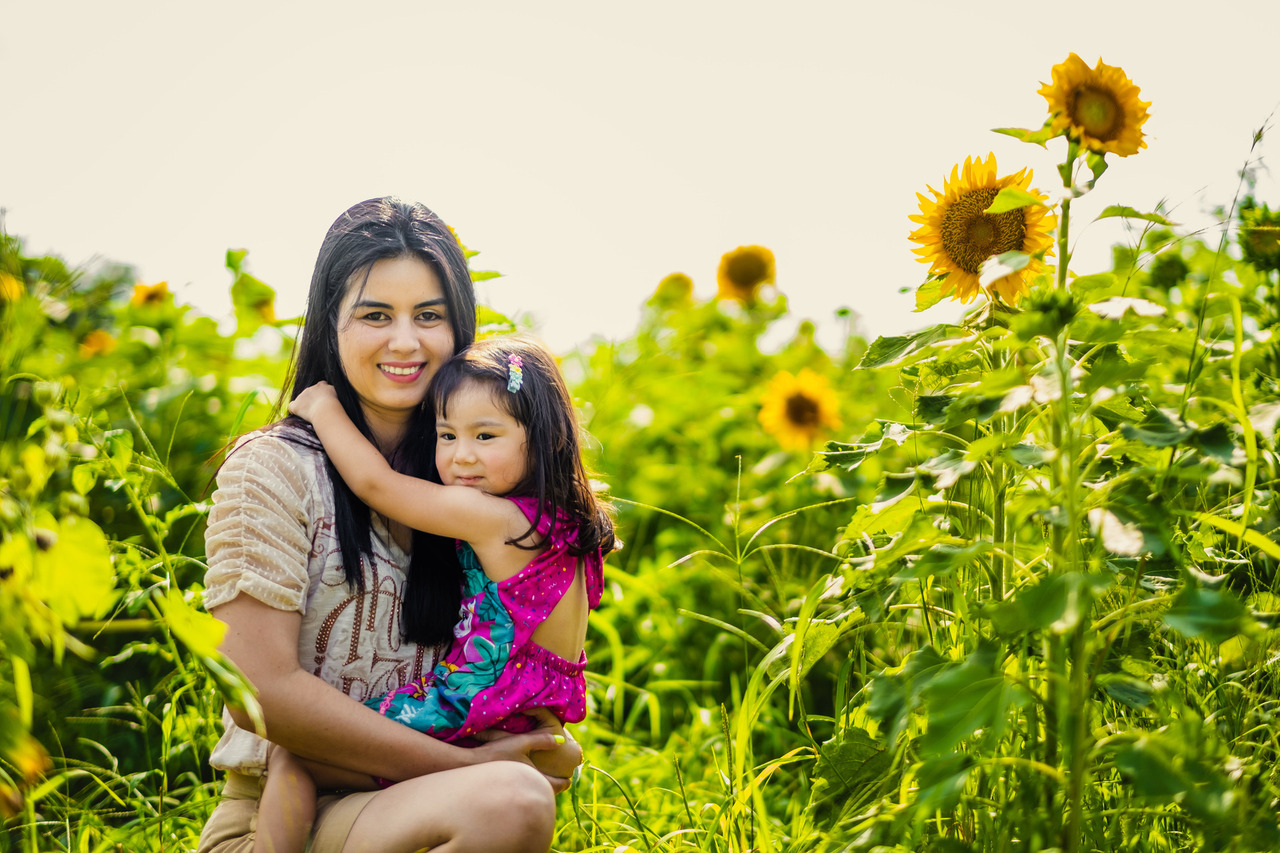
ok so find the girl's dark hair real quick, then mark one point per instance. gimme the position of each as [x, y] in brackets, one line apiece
[555, 473]
[373, 230]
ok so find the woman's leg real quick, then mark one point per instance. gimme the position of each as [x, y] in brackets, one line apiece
[288, 806]
[497, 807]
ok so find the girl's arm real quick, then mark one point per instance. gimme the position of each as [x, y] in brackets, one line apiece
[460, 513]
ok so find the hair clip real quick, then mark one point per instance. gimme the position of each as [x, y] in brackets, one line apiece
[515, 373]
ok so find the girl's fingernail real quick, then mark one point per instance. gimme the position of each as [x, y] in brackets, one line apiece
[559, 738]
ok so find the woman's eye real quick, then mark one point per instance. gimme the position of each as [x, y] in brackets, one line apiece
[375, 316]
[429, 317]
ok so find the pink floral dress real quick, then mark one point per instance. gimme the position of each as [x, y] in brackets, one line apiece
[493, 671]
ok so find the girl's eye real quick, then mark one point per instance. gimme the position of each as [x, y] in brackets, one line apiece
[485, 436]
[444, 436]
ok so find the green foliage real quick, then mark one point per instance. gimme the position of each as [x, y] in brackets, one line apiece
[1023, 596]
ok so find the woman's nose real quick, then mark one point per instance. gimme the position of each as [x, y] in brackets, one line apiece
[404, 337]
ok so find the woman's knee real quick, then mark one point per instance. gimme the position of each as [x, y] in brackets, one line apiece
[522, 804]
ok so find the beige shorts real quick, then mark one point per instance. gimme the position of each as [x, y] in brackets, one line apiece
[231, 826]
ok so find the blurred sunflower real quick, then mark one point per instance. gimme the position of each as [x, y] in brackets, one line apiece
[1260, 236]
[956, 233]
[10, 288]
[1099, 106]
[97, 342]
[674, 291]
[150, 294]
[798, 408]
[743, 272]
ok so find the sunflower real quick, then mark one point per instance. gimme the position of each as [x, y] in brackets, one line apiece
[1260, 236]
[743, 272]
[150, 294]
[1099, 106]
[10, 288]
[956, 234]
[797, 408]
[97, 342]
[674, 291]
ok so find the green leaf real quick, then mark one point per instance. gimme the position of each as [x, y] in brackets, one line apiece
[1097, 165]
[928, 294]
[83, 478]
[1215, 442]
[1012, 198]
[1124, 212]
[1238, 530]
[1214, 614]
[1036, 137]
[235, 260]
[885, 351]
[1161, 428]
[254, 303]
[975, 695]
[944, 559]
[947, 468]
[1127, 690]
[1057, 603]
[197, 630]
[75, 576]
[484, 275]
[847, 763]
[1089, 287]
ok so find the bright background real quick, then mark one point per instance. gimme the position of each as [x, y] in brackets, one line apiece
[589, 148]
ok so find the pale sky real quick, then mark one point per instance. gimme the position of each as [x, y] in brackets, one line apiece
[588, 149]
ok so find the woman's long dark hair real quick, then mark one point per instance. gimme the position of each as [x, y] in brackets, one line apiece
[371, 231]
[554, 473]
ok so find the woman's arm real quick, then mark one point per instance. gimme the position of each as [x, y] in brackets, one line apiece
[459, 513]
[314, 720]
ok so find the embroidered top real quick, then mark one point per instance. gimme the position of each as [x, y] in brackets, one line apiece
[494, 670]
[271, 536]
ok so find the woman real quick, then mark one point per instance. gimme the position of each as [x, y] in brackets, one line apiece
[313, 588]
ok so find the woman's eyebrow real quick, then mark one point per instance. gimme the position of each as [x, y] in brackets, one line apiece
[370, 303]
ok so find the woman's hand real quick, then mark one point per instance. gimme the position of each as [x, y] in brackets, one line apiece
[314, 400]
[549, 748]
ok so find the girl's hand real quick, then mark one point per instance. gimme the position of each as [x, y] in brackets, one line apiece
[549, 748]
[312, 401]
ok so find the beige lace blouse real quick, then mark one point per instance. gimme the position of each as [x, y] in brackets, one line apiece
[271, 536]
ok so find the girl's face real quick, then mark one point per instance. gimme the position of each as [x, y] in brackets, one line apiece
[478, 444]
[393, 334]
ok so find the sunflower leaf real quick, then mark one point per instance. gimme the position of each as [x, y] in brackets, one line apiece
[997, 267]
[928, 295]
[1012, 198]
[1036, 137]
[1097, 164]
[1126, 212]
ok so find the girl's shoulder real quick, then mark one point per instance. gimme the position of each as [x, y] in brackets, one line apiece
[559, 527]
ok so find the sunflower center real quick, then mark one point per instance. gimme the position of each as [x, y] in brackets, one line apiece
[803, 411]
[746, 270]
[970, 235]
[1098, 112]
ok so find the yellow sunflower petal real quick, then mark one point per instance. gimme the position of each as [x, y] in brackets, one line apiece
[956, 234]
[1099, 107]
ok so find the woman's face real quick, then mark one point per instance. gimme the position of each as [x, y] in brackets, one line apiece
[393, 334]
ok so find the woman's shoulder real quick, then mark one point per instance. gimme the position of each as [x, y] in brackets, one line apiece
[277, 451]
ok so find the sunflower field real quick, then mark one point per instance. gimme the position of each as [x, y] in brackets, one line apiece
[1001, 584]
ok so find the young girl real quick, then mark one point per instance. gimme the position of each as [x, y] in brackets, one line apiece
[531, 538]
